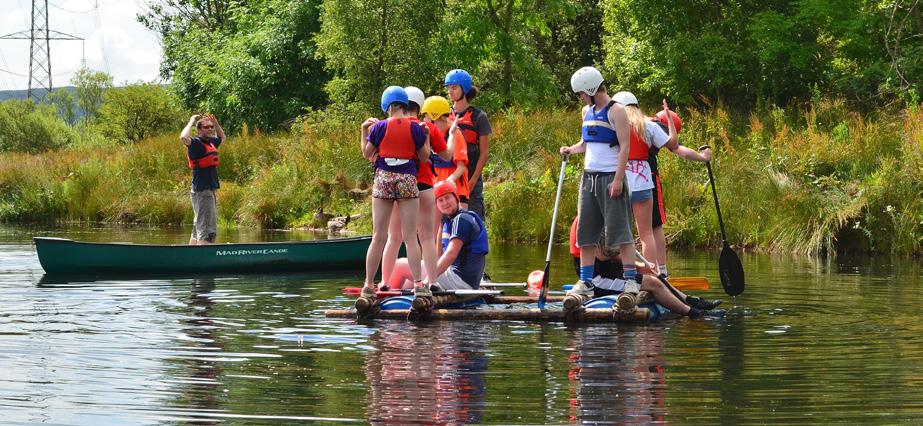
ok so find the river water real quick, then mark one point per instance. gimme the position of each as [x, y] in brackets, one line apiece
[810, 341]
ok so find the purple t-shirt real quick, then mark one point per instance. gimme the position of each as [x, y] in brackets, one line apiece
[377, 133]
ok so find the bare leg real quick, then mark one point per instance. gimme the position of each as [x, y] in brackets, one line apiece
[381, 215]
[392, 247]
[663, 296]
[642, 211]
[410, 208]
[588, 255]
[425, 229]
[661, 241]
[402, 275]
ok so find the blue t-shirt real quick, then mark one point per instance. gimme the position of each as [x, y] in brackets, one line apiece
[207, 178]
[377, 134]
[469, 265]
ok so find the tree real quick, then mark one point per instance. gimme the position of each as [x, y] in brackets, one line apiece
[66, 105]
[368, 45]
[250, 62]
[137, 111]
[90, 86]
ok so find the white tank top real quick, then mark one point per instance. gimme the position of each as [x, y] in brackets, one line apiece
[600, 157]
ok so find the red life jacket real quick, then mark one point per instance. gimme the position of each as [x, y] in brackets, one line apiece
[210, 159]
[574, 250]
[397, 142]
[466, 123]
[638, 148]
[425, 173]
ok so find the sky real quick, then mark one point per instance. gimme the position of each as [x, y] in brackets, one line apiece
[115, 41]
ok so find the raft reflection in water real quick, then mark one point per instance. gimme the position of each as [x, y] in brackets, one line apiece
[429, 378]
[617, 375]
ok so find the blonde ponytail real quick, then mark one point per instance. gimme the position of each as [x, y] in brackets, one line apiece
[637, 121]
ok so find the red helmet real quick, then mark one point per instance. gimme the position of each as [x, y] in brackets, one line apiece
[445, 187]
[661, 117]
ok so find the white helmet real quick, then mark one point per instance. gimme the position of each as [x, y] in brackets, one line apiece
[415, 95]
[625, 98]
[586, 80]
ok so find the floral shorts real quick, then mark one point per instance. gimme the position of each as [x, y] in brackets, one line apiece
[394, 186]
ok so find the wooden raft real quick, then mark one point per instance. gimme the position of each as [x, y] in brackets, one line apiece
[429, 309]
[532, 314]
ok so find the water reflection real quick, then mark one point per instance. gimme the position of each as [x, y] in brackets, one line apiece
[431, 375]
[617, 377]
[201, 386]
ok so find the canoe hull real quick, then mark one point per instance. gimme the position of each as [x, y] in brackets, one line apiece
[62, 256]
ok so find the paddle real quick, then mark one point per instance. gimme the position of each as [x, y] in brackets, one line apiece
[729, 266]
[681, 283]
[543, 296]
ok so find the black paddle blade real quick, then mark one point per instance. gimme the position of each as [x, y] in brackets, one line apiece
[731, 270]
[543, 296]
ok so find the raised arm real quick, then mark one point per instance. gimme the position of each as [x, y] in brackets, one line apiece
[218, 130]
[186, 135]
[368, 150]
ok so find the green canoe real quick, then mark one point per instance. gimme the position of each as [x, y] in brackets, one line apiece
[62, 256]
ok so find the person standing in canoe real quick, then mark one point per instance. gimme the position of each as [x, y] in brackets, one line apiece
[659, 216]
[475, 127]
[645, 135]
[393, 145]
[426, 221]
[202, 153]
[603, 202]
[464, 243]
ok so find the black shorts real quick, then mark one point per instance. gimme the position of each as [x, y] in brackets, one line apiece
[658, 214]
[462, 198]
[423, 187]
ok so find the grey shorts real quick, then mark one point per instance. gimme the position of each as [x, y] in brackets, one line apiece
[205, 208]
[449, 280]
[603, 218]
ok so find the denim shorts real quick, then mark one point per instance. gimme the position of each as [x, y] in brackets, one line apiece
[642, 195]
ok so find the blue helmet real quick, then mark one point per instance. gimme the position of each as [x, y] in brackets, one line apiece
[461, 78]
[391, 95]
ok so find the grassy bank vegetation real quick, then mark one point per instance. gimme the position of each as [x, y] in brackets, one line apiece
[805, 180]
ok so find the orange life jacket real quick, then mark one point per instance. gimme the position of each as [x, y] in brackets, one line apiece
[466, 123]
[210, 159]
[397, 142]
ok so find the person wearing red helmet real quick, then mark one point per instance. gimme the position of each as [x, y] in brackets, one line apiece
[476, 129]
[659, 217]
[393, 146]
[464, 242]
[426, 220]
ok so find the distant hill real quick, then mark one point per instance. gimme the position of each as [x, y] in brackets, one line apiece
[23, 94]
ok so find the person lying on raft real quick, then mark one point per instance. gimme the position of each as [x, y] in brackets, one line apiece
[608, 281]
[464, 245]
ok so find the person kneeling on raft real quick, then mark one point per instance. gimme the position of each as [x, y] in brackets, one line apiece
[464, 245]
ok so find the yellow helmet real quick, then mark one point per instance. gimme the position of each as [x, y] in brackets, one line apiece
[435, 107]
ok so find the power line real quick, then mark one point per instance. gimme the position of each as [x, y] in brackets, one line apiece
[71, 11]
[13, 73]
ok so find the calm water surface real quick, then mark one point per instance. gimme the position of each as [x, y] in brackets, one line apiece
[810, 341]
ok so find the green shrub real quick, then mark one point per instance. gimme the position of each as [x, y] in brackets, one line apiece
[27, 127]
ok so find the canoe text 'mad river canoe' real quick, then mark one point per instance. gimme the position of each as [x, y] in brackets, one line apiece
[62, 256]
